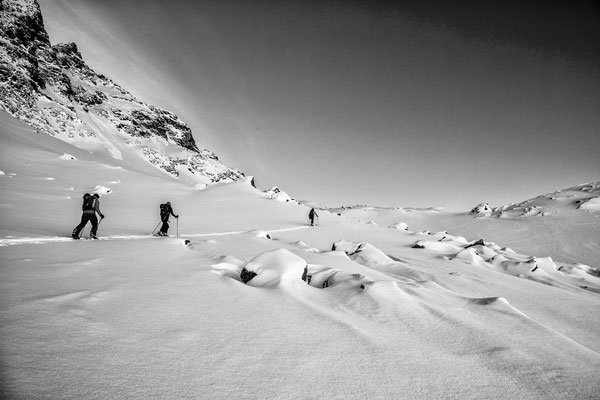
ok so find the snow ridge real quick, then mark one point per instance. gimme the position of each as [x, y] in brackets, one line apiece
[584, 197]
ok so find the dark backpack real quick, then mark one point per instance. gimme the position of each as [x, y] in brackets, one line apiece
[88, 203]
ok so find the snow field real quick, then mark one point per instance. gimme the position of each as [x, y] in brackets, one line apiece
[345, 310]
[151, 320]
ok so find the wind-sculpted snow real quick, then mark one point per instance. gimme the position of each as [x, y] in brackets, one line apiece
[490, 255]
[372, 257]
[363, 253]
[407, 314]
[283, 268]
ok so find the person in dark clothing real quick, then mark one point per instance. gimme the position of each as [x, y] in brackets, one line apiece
[311, 216]
[165, 212]
[91, 206]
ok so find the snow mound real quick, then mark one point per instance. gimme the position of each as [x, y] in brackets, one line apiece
[306, 247]
[277, 194]
[443, 236]
[591, 205]
[363, 253]
[261, 234]
[400, 225]
[323, 277]
[502, 259]
[442, 247]
[68, 157]
[102, 190]
[266, 270]
[371, 257]
[482, 209]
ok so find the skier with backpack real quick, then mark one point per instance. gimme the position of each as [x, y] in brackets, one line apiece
[90, 206]
[165, 212]
[311, 216]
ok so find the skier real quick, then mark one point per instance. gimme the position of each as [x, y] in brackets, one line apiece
[311, 216]
[165, 211]
[90, 206]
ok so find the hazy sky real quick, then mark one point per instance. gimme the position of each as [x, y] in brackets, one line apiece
[354, 102]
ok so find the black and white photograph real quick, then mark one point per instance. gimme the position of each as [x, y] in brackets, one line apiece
[299, 199]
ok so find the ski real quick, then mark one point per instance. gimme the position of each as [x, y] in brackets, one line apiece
[90, 237]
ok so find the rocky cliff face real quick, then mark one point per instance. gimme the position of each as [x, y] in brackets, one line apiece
[53, 89]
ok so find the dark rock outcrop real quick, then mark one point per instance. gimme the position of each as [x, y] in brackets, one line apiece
[246, 275]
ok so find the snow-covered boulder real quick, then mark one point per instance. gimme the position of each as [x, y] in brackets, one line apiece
[277, 194]
[481, 209]
[400, 225]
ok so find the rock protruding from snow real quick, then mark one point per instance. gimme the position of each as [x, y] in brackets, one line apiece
[322, 277]
[482, 209]
[246, 276]
[277, 194]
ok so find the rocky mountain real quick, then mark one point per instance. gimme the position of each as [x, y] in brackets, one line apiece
[52, 89]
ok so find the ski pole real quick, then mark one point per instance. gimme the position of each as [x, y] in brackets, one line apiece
[154, 230]
[177, 226]
[98, 226]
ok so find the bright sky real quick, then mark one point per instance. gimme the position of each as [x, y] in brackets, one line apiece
[361, 102]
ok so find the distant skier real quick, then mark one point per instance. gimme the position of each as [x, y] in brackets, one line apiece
[311, 216]
[90, 206]
[165, 211]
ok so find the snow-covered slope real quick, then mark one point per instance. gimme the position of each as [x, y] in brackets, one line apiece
[245, 300]
[582, 198]
[52, 89]
[345, 310]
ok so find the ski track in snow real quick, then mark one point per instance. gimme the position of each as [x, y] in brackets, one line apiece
[10, 241]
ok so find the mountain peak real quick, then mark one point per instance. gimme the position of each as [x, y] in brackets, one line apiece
[68, 49]
[22, 22]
